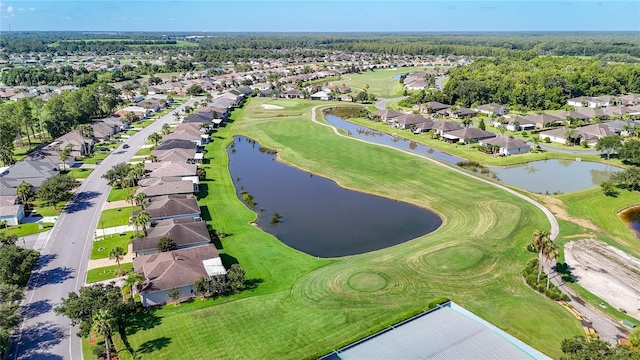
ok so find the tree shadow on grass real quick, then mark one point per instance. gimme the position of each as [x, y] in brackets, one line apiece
[154, 345]
[203, 191]
[204, 213]
[34, 309]
[228, 260]
[144, 320]
[252, 284]
[52, 276]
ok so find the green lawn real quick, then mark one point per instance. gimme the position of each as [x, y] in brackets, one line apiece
[296, 291]
[26, 229]
[79, 173]
[144, 151]
[117, 194]
[107, 272]
[381, 82]
[96, 156]
[102, 247]
[115, 217]
[48, 210]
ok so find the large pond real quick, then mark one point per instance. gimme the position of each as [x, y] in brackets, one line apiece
[555, 176]
[378, 137]
[631, 217]
[545, 176]
[319, 217]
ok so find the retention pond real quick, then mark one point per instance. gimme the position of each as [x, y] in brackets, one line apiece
[317, 216]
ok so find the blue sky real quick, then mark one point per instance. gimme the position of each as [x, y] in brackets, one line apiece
[319, 16]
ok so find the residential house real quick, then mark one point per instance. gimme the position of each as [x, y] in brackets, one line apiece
[185, 233]
[406, 121]
[171, 207]
[492, 108]
[388, 115]
[49, 155]
[467, 135]
[170, 169]
[189, 131]
[422, 127]
[591, 101]
[443, 127]
[102, 129]
[459, 112]
[293, 94]
[590, 134]
[199, 117]
[80, 145]
[178, 269]
[163, 188]
[507, 145]
[32, 172]
[11, 211]
[321, 95]
[415, 84]
[434, 106]
[139, 111]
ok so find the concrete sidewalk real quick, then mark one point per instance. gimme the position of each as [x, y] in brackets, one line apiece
[115, 230]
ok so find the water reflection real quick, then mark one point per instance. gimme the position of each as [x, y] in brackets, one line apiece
[317, 216]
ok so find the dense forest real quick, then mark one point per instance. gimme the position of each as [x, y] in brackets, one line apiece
[243, 45]
[540, 83]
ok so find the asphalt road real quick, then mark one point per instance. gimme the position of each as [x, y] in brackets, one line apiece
[63, 264]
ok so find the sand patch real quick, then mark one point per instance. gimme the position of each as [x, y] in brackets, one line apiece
[560, 210]
[607, 272]
[271, 107]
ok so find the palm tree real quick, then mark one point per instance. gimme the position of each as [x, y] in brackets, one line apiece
[102, 323]
[466, 122]
[131, 282]
[571, 135]
[155, 137]
[139, 198]
[176, 116]
[133, 220]
[540, 240]
[143, 219]
[130, 199]
[502, 129]
[550, 254]
[24, 191]
[117, 254]
[152, 158]
[87, 132]
[166, 129]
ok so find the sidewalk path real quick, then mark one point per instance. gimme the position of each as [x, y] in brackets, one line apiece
[116, 204]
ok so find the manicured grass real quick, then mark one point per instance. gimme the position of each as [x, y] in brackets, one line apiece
[114, 217]
[117, 194]
[96, 156]
[79, 173]
[470, 152]
[603, 211]
[26, 229]
[107, 272]
[381, 82]
[330, 298]
[48, 210]
[144, 151]
[102, 247]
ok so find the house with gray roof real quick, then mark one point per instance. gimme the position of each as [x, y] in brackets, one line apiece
[185, 233]
[507, 145]
[492, 108]
[33, 172]
[163, 188]
[467, 135]
[11, 211]
[178, 269]
[171, 207]
[406, 121]
[169, 168]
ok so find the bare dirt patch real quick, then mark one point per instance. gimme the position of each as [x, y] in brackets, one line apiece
[271, 107]
[559, 209]
[607, 272]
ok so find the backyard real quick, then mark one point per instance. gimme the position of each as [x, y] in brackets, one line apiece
[475, 258]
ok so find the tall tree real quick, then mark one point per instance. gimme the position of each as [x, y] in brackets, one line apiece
[155, 137]
[131, 282]
[8, 133]
[117, 253]
[102, 324]
[166, 244]
[25, 116]
[630, 151]
[540, 241]
[56, 189]
[25, 192]
[609, 144]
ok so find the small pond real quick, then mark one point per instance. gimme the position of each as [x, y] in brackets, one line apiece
[319, 217]
[631, 217]
[555, 175]
[374, 136]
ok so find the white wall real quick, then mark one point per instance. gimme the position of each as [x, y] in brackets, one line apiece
[161, 297]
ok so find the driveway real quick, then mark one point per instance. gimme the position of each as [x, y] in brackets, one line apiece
[63, 263]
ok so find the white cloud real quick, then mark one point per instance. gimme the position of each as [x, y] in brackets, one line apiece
[9, 8]
[32, 9]
[171, 19]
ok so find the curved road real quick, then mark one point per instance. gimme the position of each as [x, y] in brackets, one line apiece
[382, 104]
[607, 328]
[63, 263]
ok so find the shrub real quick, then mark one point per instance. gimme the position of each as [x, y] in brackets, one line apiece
[547, 141]
[121, 349]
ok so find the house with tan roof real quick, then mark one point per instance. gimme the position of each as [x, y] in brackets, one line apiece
[163, 188]
[169, 168]
[11, 211]
[80, 145]
[185, 233]
[467, 135]
[178, 269]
